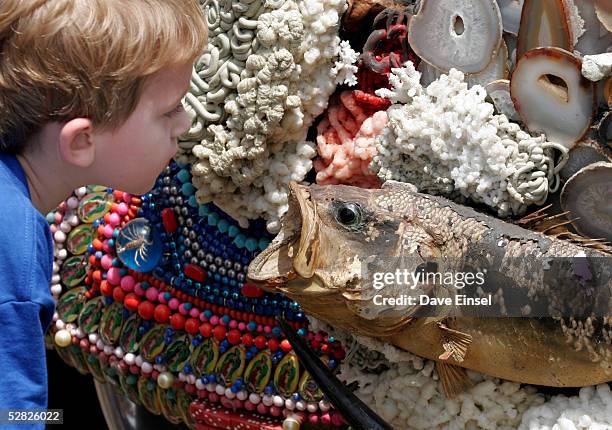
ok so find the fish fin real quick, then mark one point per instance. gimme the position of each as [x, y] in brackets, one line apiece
[455, 343]
[454, 379]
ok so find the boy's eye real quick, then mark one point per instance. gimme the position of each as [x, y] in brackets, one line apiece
[178, 109]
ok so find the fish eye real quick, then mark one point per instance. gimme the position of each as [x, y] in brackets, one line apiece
[349, 214]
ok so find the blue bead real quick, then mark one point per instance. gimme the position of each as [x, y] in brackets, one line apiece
[98, 255]
[296, 397]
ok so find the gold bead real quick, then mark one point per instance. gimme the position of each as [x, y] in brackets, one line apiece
[165, 380]
[291, 423]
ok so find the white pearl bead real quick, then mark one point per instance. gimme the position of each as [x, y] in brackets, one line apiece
[118, 352]
[210, 387]
[291, 423]
[59, 236]
[93, 338]
[278, 401]
[55, 267]
[72, 202]
[65, 227]
[242, 395]
[80, 192]
[108, 350]
[165, 380]
[290, 404]
[324, 406]
[267, 400]
[220, 389]
[129, 358]
[73, 220]
[146, 367]
[55, 316]
[79, 333]
[59, 324]
[55, 279]
[254, 398]
[56, 289]
[191, 379]
[300, 405]
[62, 254]
[311, 407]
[228, 393]
[63, 338]
[181, 377]
[139, 360]
[99, 344]
[199, 385]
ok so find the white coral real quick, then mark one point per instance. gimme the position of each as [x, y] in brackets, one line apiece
[267, 73]
[345, 69]
[446, 139]
[405, 391]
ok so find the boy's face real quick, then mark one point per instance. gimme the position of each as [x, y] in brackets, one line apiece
[131, 157]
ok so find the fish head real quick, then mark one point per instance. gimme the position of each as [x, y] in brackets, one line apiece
[329, 238]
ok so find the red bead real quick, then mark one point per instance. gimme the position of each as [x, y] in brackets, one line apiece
[195, 272]
[219, 332]
[146, 310]
[106, 288]
[131, 301]
[247, 339]
[169, 220]
[162, 313]
[118, 294]
[192, 326]
[273, 344]
[233, 337]
[206, 329]
[250, 290]
[260, 342]
[285, 345]
[177, 321]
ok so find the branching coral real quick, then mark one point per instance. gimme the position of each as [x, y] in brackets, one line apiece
[267, 73]
[345, 142]
[445, 139]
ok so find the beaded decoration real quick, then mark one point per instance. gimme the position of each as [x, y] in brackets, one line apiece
[189, 338]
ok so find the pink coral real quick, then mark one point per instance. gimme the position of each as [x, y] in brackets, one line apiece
[345, 140]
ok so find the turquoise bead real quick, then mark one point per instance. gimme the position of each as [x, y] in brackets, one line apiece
[188, 189]
[213, 218]
[50, 217]
[239, 240]
[263, 243]
[193, 202]
[223, 225]
[203, 210]
[251, 244]
[233, 231]
[183, 175]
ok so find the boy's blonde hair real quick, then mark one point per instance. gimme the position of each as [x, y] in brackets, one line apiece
[62, 59]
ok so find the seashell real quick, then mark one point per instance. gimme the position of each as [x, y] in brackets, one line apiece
[464, 35]
[497, 69]
[147, 394]
[584, 153]
[544, 23]
[204, 357]
[258, 372]
[287, 375]
[587, 195]
[551, 95]
[70, 304]
[595, 38]
[91, 314]
[111, 323]
[231, 365]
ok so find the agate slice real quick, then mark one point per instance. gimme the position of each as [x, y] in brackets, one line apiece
[499, 92]
[551, 95]
[497, 69]
[511, 15]
[544, 23]
[596, 38]
[588, 197]
[464, 35]
[603, 10]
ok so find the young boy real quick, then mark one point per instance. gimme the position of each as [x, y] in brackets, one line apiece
[90, 93]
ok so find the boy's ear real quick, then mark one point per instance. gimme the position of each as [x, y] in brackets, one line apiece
[76, 145]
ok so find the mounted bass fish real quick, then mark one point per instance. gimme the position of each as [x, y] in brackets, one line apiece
[543, 302]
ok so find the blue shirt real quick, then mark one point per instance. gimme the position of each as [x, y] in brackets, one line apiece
[26, 303]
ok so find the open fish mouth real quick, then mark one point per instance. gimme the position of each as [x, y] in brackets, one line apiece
[294, 251]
